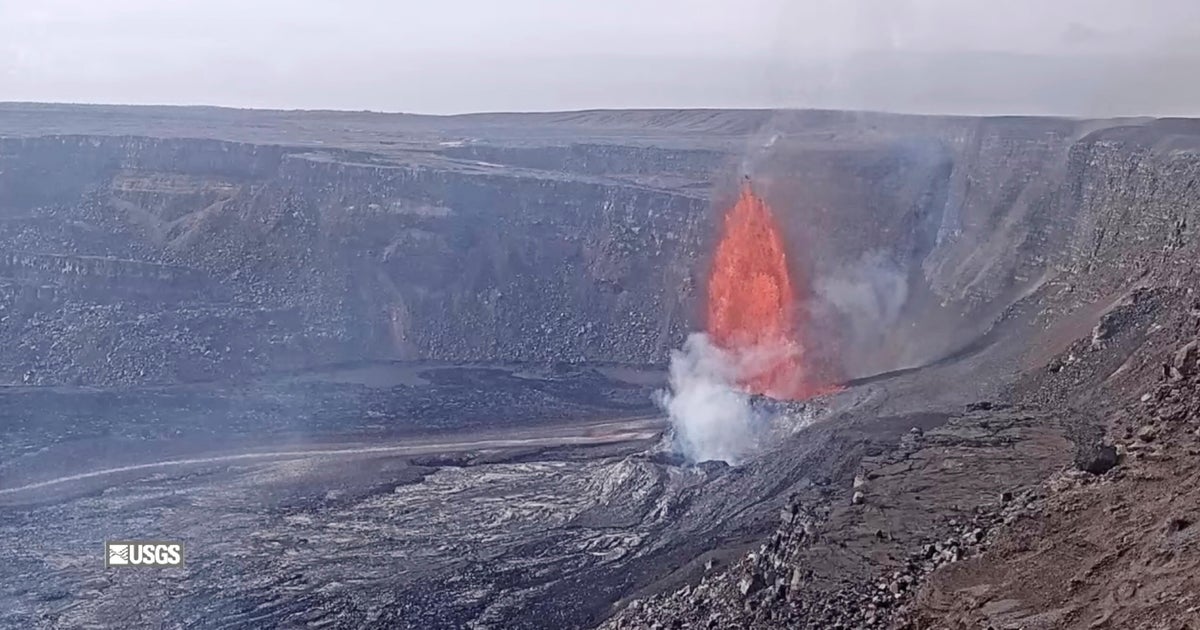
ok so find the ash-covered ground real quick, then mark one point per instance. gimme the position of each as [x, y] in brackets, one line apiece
[398, 371]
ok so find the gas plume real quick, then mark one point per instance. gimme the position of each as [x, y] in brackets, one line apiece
[865, 298]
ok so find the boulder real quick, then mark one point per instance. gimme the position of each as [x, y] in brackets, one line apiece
[1186, 359]
[1097, 460]
[749, 583]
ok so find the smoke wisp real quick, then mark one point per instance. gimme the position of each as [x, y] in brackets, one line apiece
[712, 419]
[866, 298]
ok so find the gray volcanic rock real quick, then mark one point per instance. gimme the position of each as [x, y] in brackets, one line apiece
[1098, 459]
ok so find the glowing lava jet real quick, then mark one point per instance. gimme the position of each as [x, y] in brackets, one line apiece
[754, 312]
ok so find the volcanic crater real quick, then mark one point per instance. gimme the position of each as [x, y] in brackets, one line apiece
[399, 371]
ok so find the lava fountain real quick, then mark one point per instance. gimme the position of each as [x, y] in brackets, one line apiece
[755, 312]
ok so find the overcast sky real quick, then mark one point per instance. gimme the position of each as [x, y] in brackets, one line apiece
[1077, 57]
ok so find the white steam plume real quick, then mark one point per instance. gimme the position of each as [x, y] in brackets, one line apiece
[712, 419]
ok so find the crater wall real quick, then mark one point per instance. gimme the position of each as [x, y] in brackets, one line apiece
[179, 254]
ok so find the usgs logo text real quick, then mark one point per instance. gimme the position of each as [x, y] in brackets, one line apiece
[143, 553]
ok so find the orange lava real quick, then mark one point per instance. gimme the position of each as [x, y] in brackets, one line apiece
[754, 312]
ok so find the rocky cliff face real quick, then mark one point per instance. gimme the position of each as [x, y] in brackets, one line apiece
[341, 258]
[161, 258]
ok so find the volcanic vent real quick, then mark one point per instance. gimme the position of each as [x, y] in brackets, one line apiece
[755, 311]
